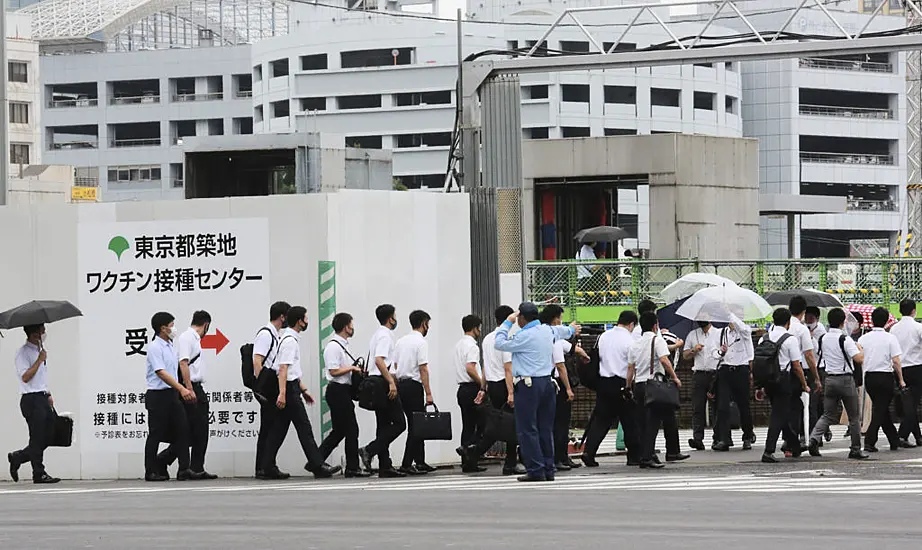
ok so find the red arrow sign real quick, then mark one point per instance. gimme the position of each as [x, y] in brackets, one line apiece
[216, 341]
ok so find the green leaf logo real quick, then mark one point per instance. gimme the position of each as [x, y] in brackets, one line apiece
[119, 245]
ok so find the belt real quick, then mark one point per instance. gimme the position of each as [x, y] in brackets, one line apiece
[469, 384]
[415, 380]
[199, 383]
[732, 367]
[37, 393]
[838, 374]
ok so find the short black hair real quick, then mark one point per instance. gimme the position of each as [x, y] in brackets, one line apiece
[812, 310]
[880, 317]
[781, 317]
[549, 313]
[417, 318]
[647, 321]
[278, 309]
[34, 329]
[907, 306]
[858, 317]
[295, 314]
[201, 318]
[627, 317]
[798, 305]
[530, 315]
[502, 313]
[646, 305]
[341, 321]
[835, 317]
[384, 312]
[160, 320]
[470, 322]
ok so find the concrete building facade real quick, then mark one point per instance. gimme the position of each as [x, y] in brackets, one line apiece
[23, 91]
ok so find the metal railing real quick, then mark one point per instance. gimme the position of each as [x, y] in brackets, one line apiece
[243, 94]
[62, 103]
[134, 100]
[75, 145]
[863, 205]
[846, 112]
[177, 183]
[86, 182]
[597, 290]
[845, 65]
[846, 158]
[142, 142]
[210, 96]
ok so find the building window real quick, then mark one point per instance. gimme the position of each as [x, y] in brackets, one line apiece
[574, 93]
[574, 131]
[731, 104]
[19, 153]
[538, 91]
[316, 62]
[423, 98]
[359, 102]
[377, 58]
[537, 133]
[664, 97]
[704, 101]
[365, 142]
[133, 174]
[622, 46]
[625, 95]
[279, 67]
[19, 113]
[18, 71]
[257, 73]
[313, 104]
[280, 109]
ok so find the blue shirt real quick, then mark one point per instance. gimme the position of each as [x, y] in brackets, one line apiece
[160, 356]
[532, 347]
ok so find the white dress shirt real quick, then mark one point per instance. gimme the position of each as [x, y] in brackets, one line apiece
[335, 357]
[290, 354]
[833, 360]
[410, 353]
[706, 359]
[880, 347]
[494, 361]
[818, 330]
[25, 358]
[189, 347]
[801, 335]
[738, 339]
[650, 346]
[466, 352]
[266, 344]
[585, 253]
[561, 349]
[636, 333]
[614, 345]
[909, 334]
[790, 350]
[381, 345]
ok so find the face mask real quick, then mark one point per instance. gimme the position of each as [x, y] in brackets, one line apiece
[44, 337]
[350, 333]
[811, 326]
[205, 330]
[172, 333]
[395, 325]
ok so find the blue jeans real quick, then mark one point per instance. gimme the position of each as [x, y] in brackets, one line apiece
[534, 424]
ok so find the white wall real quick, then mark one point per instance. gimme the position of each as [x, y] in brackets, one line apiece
[409, 249]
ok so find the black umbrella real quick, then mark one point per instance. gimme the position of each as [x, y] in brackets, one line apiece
[601, 234]
[676, 324]
[814, 298]
[38, 312]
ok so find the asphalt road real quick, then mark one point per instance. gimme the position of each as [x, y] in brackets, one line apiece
[713, 499]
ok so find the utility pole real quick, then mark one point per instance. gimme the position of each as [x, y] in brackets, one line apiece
[914, 136]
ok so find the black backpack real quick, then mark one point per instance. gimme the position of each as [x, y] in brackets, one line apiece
[588, 373]
[857, 372]
[765, 367]
[246, 360]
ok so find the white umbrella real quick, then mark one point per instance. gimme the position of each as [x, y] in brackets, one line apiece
[714, 304]
[685, 286]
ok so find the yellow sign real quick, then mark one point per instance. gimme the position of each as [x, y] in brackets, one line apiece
[81, 194]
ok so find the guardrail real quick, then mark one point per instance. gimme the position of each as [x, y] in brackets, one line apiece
[75, 145]
[845, 65]
[86, 182]
[177, 183]
[144, 142]
[211, 96]
[63, 103]
[846, 158]
[872, 206]
[243, 94]
[846, 112]
[134, 100]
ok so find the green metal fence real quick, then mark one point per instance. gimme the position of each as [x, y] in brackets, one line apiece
[596, 291]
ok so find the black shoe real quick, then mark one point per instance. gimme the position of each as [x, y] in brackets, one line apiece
[14, 466]
[46, 479]
[356, 473]
[365, 457]
[769, 458]
[325, 471]
[589, 461]
[858, 455]
[412, 470]
[385, 473]
[720, 447]
[155, 476]
[183, 475]
[527, 478]
[696, 444]
[518, 469]
[562, 467]
[651, 465]
[633, 462]
[677, 458]
[548, 477]
[870, 449]
[276, 475]
[473, 469]
[657, 460]
[203, 476]
[828, 436]
[573, 464]
[425, 468]
[751, 438]
[814, 448]
[747, 445]
[905, 444]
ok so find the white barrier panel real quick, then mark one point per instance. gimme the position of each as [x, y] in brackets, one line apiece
[120, 263]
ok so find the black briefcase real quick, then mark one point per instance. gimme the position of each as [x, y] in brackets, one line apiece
[372, 393]
[500, 424]
[266, 388]
[432, 425]
[62, 431]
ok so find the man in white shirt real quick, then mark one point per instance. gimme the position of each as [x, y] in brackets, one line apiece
[35, 403]
[647, 357]
[613, 401]
[586, 253]
[389, 419]
[798, 309]
[838, 355]
[411, 361]
[265, 352]
[817, 330]
[701, 345]
[339, 365]
[734, 354]
[781, 394]
[471, 392]
[908, 333]
[497, 370]
[881, 367]
[289, 402]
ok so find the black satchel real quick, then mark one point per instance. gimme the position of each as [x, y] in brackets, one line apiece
[373, 393]
[430, 426]
[62, 431]
[500, 424]
[357, 377]
[660, 392]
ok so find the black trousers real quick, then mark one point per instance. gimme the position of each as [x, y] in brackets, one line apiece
[413, 399]
[562, 426]
[268, 414]
[880, 386]
[817, 400]
[611, 407]
[197, 416]
[40, 420]
[166, 422]
[390, 423]
[909, 424]
[780, 396]
[472, 422]
[652, 419]
[499, 395]
[733, 386]
[701, 385]
[345, 427]
[293, 413]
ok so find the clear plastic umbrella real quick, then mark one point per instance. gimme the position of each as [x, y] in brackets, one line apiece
[685, 286]
[715, 304]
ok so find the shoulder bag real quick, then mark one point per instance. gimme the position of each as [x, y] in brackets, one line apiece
[660, 392]
[357, 377]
